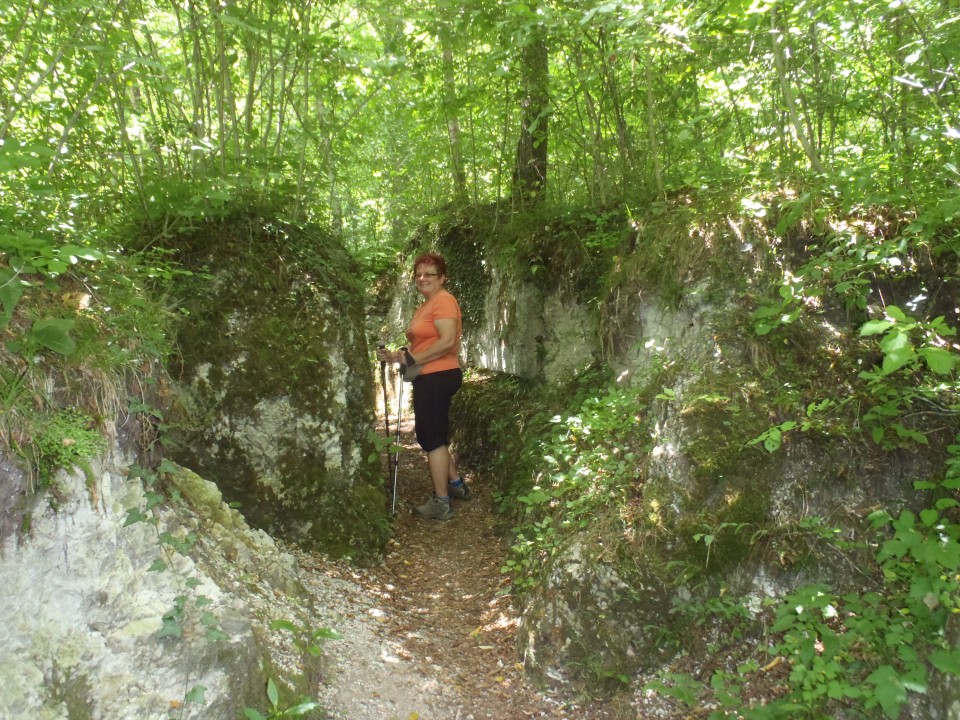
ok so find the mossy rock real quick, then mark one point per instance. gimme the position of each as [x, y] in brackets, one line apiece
[279, 405]
[593, 618]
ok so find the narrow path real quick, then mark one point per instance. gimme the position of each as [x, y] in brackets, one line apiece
[444, 626]
[448, 595]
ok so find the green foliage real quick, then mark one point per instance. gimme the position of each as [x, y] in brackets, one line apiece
[189, 606]
[305, 639]
[867, 650]
[302, 707]
[772, 438]
[308, 642]
[66, 439]
[918, 365]
[371, 123]
[353, 121]
[381, 445]
[25, 261]
[586, 458]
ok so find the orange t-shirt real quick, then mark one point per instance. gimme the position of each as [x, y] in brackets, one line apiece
[422, 333]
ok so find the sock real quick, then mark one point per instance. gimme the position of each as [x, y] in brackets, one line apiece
[457, 483]
[445, 498]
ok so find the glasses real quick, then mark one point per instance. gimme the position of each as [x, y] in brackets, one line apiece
[419, 276]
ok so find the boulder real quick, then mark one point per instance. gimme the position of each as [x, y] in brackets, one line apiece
[277, 371]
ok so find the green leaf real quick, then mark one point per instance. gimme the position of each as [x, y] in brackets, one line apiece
[896, 313]
[253, 714]
[888, 690]
[284, 625]
[940, 361]
[216, 635]
[535, 497]
[894, 341]
[773, 440]
[897, 358]
[170, 628]
[74, 252]
[875, 327]
[11, 290]
[196, 695]
[327, 633]
[158, 566]
[273, 695]
[946, 661]
[153, 499]
[54, 334]
[908, 434]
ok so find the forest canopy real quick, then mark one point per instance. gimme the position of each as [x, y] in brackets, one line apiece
[361, 115]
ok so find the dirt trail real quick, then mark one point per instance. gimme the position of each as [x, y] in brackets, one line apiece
[442, 611]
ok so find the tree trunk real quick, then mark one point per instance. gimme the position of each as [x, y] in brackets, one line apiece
[530, 172]
[788, 98]
[453, 119]
[652, 123]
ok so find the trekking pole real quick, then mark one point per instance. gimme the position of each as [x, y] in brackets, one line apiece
[396, 458]
[386, 408]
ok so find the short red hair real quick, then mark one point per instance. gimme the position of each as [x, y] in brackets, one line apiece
[431, 258]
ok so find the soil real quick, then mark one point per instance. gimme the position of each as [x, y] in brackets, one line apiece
[431, 633]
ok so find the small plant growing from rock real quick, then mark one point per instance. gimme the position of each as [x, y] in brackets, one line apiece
[302, 707]
[67, 439]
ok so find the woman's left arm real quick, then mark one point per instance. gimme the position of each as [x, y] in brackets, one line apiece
[445, 342]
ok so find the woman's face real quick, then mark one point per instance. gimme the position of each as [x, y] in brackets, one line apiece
[428, 280]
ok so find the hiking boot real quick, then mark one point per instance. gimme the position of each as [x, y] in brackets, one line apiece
[459, 492]
[434, 509]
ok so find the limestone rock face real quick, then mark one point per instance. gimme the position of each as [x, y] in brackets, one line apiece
[113, 619]
[531, 333]
[277, 365]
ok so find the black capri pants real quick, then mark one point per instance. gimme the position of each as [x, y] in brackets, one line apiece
[432, 394]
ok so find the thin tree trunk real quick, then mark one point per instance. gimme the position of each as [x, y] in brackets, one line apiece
[652, 124]
[592, 144]
[788, 98]
[625, 145]
[453, 119]
[25, 67]
[530, 172]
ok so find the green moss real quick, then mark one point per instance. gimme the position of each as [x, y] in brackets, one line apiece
[74, 692]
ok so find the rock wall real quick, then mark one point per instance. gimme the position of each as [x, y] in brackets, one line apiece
[111, 619]
[601, 594]
[276, 366]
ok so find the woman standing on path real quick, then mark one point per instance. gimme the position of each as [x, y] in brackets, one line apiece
[432, 360]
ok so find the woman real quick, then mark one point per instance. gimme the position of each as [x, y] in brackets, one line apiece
[434, 337]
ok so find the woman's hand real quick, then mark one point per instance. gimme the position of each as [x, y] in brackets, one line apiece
[389, 356]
